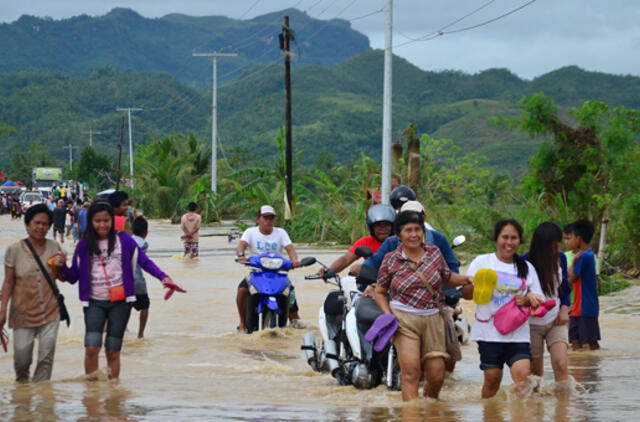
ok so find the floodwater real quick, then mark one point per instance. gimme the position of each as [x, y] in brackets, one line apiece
[192, 364]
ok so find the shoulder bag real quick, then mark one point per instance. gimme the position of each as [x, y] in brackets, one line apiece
[450, 334]
[64, 314]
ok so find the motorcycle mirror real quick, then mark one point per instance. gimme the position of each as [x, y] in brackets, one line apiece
[308, 261]
[363, 251]
[459, 240]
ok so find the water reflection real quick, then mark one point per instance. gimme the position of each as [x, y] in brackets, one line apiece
[29, 400]
[585, 369]
[105, 399]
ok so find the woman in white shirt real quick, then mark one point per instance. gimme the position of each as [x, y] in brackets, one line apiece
[512, 348]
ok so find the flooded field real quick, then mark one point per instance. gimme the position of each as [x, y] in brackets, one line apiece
[192, 364]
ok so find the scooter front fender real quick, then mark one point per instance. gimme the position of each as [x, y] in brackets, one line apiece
[322, 324]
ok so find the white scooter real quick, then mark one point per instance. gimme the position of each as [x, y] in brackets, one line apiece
[343, 320]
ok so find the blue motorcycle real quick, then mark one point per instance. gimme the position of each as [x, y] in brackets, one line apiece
[269, 289]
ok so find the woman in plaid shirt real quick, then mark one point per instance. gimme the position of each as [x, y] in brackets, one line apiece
[420, 339]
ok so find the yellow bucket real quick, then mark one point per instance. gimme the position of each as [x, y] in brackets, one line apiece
[484, 282]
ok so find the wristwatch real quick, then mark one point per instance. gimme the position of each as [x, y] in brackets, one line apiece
[240, 255]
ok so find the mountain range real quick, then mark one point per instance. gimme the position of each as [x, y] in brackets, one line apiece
[336, 85]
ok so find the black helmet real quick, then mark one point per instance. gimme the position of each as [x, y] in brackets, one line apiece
[400, 195]
[378, 213]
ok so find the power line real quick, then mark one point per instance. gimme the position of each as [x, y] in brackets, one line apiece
[329, 21]
[314, 5]
[491, 20]
[442, 31]
[447, 25]
[375, 12]
[249, 9]
[327, 8]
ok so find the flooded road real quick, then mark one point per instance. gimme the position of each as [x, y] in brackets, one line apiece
[192, 364]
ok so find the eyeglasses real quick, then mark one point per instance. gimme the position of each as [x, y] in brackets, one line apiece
[268, 216]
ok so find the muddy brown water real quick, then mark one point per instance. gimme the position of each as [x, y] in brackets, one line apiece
[192, 365]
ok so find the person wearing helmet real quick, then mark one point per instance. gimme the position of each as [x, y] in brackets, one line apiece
[380, 223]
[400, 195]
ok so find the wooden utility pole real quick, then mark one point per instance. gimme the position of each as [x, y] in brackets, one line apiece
[286, 36]
[120, 153]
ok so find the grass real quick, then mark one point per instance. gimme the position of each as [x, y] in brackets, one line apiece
[612, 283]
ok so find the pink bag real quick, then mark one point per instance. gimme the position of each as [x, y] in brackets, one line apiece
[511, 316]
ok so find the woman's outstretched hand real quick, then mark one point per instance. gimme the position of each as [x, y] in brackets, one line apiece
[172, 287]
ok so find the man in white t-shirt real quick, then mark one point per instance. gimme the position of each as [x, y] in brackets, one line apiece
[264, 238]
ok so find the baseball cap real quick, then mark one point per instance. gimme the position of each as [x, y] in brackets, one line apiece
[267, 210]
[414, 206]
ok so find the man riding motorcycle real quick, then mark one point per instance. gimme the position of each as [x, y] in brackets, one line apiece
[264, 238]
[380, 223]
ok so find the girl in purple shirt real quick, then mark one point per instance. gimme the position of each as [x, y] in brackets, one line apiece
[103, 260]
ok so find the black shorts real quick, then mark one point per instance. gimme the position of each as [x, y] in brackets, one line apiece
[584, 329]
[493, 355]
[142, 302]
[58, 229]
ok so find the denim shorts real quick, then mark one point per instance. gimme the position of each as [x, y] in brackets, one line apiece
[493, 355]
[115, 314]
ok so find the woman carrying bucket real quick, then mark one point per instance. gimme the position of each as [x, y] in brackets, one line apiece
[499, 278]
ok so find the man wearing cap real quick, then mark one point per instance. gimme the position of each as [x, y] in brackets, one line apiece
[264, 238]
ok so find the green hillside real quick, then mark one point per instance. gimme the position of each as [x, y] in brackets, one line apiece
[122, 38]
[336, 109]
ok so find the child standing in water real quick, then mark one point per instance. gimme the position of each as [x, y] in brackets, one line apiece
[583, 328]
[142, 303]
[190, 225]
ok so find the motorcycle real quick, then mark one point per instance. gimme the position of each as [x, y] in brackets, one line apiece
[343, 320]
[269, 288]
[463, 328]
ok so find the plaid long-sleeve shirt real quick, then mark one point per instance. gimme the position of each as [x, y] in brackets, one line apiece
[406, 287]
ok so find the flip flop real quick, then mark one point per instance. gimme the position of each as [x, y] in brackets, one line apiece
[173, 287]
[385, 336]
[484, 282]
[378, 326]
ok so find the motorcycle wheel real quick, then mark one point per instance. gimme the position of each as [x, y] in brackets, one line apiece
[270, 319]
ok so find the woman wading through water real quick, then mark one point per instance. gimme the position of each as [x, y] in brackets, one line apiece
[103, 264]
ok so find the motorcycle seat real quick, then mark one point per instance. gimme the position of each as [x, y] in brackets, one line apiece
[366, 312]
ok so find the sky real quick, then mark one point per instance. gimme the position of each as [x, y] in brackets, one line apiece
[597, 35]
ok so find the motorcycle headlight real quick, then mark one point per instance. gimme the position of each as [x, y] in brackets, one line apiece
[271, 263]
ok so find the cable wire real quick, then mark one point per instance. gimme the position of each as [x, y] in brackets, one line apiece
[429, 36]
[441, 31]
[249, 9]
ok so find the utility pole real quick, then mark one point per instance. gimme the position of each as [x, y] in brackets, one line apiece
[285, 37]
[386, 108]
[214, 114]
[120, 154]
[70, 148]
[91, 132]
[129, 110]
